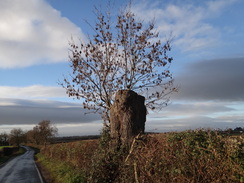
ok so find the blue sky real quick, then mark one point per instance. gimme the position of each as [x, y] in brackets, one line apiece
[207, 50]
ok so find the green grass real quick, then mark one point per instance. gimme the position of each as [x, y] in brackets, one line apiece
[61, 171]
[1, 147]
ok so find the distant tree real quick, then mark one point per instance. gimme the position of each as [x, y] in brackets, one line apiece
[229, 130]
[4, 139]
[125, 53]
[239, 129]
[32, 136]
[42, 133]
[16, 136]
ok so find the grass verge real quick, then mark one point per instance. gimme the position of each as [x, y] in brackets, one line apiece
[58, 171]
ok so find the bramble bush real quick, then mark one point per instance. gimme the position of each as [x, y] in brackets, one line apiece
[75, 154]
[199, 156]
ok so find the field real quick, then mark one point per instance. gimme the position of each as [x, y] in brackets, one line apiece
[1, 147]
[199, 156]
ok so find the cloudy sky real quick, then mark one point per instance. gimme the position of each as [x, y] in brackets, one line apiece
[208, 52]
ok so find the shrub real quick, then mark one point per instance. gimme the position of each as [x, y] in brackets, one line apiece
[8, 151]
[191, 156]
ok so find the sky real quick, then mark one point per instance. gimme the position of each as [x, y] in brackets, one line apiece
[208, 65]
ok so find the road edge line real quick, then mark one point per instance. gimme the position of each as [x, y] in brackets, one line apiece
[39, 174]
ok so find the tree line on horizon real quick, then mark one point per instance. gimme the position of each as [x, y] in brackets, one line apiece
[44, 132]
[41, 134]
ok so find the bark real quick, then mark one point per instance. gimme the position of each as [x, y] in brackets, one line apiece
[127, 116]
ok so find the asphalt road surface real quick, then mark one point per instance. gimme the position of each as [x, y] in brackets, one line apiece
[21, 169]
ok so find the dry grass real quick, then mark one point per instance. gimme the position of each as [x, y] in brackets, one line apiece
[77, 154]
[186, 157]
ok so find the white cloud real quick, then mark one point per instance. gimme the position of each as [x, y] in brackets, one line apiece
[32, 32]
[8, 128]
[192, 122]
[195, 108]
[63, 129]
[216, 6]
[186, 21]
[93, 128]
[34, 91]
[32, 111]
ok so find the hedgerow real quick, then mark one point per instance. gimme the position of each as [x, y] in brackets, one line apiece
[198, 156]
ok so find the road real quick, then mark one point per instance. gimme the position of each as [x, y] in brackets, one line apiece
[21, 169]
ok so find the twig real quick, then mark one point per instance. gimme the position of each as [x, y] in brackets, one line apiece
[136, 175]
[132, 147]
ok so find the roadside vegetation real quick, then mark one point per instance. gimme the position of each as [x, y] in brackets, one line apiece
[10, 144]
[59, 171]
[191, 156]
[8, 152]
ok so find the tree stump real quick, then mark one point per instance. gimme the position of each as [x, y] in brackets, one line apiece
[127, 116]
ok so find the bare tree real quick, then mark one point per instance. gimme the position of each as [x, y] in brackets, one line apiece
[122, 54]
[42, 133]
[32, 136]
[4, 139]
[16, 136]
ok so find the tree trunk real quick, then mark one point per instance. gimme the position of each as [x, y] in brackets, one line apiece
[127, 116]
